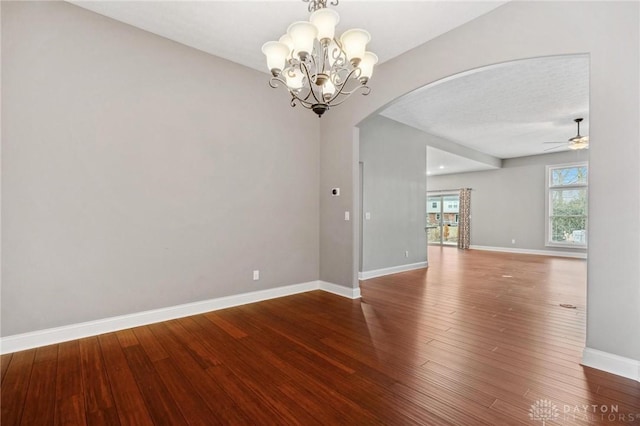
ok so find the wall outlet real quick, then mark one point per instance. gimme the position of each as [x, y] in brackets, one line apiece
[406, 253]
[513, 241]
[256, 275]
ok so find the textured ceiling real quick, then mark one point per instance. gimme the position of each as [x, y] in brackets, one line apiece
[236, 30]
[507, 110]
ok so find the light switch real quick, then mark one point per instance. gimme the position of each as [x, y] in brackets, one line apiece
[367, 215]
[346, 216]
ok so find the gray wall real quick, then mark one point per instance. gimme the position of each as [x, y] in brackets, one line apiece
[520, 30]
[509, 203]
[394, 157]
[138, 173]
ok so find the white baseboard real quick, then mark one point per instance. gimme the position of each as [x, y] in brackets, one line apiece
[614, 364]
[557, 253]
[348, 292]
[392, 270]
[50, 336]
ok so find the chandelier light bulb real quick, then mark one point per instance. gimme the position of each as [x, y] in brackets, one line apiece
[294, 78]
[302, 35]
[285, 39]
[328, 90]
[354, 42]
[366, 66]
[325, 20]
[276, 54]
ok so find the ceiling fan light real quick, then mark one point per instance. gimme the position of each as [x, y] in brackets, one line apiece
[276, 54]
[354, 42]
[366, 66]
[581, 143]
[325, 20]
[302, 35]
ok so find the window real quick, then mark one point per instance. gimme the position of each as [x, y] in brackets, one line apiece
[567, 205]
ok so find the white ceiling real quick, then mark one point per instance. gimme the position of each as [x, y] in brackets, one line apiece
[507, 110]
[441, 162]
[236, 30]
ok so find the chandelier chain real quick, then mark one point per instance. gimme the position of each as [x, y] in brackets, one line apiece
[319, 4]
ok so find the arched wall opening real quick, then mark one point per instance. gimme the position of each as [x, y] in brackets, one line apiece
[484, 128]
[515, 31]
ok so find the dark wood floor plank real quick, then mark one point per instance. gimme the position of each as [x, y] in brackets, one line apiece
[70, 405]
[216, 396]
[127, 338]
[15, 387]
[225, 325]
[130, 405]
[242, 398]
[98, 397]
[193, 407]
[477, 338]
[40, 401]
[5, 360]
[161, 405]
[150, 344]
[201, 349]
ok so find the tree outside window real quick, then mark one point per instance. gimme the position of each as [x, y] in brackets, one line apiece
[567, 205]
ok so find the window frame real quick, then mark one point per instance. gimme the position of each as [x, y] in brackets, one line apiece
[548, 191]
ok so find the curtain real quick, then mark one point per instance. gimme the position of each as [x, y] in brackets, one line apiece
[464, 231]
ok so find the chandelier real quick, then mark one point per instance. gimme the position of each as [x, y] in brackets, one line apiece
[318, 69]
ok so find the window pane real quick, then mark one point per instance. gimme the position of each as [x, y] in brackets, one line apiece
[569, 176]
[571, 230]
[568, 202]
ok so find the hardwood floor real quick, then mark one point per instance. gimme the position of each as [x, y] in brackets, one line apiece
[478, 338]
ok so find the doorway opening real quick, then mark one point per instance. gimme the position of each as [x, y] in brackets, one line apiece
[443, 213]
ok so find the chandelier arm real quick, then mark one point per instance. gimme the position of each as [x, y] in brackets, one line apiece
[304, 101]
[314, 64]
[339, 57]
[274, 82]
[347, 95]
[295, 100]
[342, 86]
[306, 98]
[311, 91]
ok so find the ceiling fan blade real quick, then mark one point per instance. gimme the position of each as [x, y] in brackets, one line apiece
[551, 149]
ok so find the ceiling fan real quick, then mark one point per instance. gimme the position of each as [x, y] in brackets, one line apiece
[576, 142]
